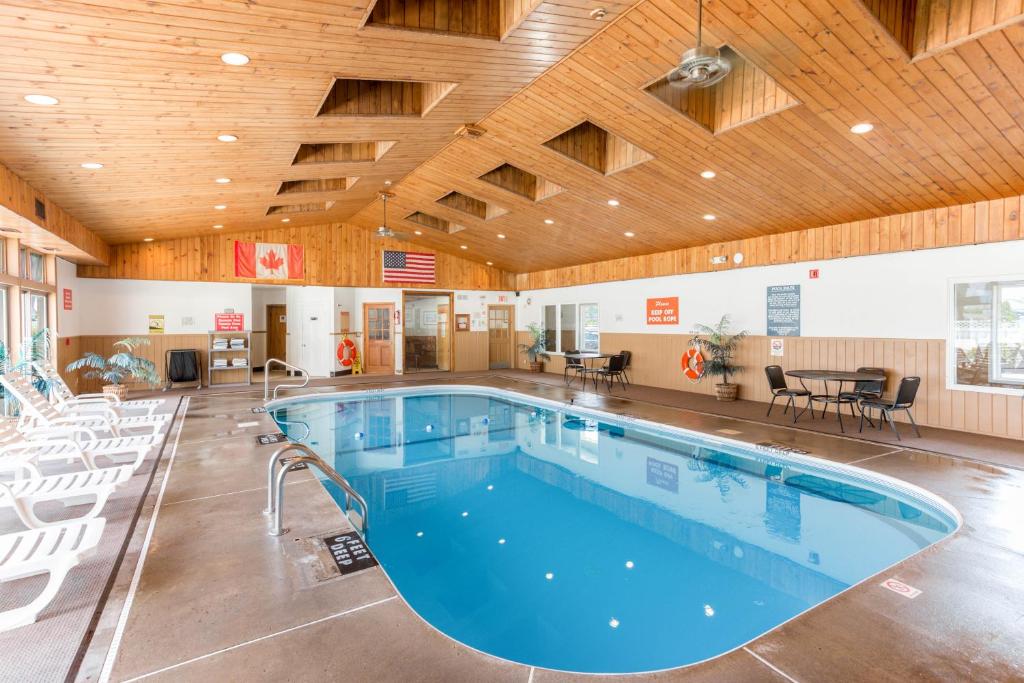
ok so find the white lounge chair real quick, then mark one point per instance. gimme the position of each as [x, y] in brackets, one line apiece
[72, 488]
[38, 413]
[20, 454]
[54, 550]
[65, 398]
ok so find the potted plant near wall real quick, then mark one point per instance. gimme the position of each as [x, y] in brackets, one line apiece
[123, 365]
[718, 345]
[535, 350]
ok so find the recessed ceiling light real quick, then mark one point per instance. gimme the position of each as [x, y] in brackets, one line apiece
[709, 216]
[463, 246]
[148, 239]
[286, 220]
[222, 181]
[629, 234]
[500, 236]
[227, 137]
[490, 263]
[218, 226]
[220, 207]
[387, 183]
[234, 58]
[92, 165]
[548, 221]
[418, 232]
[44, 100]
[861, 128]
[707, 174]
[613, 202]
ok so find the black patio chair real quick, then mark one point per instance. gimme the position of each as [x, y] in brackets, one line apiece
[777, 383]
[574, 365]
[628, 355]
[863, 390]
[904, 400]
[612, 371]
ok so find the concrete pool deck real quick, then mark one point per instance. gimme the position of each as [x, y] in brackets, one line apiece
[219, 599]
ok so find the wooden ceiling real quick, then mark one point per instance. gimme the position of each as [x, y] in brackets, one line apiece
[143, 91]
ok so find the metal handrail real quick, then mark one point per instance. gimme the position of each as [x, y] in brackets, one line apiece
[275, 487]
[266, 378]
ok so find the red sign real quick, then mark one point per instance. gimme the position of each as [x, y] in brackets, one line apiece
[813, 273]
[67, 299]
[228, 322]
[664, 311]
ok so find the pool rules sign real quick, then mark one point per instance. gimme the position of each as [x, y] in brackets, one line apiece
[784, 311]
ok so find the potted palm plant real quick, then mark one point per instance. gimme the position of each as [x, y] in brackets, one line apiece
[124, 364]
[535, 350]
[718, 345]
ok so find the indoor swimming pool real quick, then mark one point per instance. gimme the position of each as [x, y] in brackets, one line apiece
[567, 539]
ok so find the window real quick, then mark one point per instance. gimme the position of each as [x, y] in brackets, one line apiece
[32, 265]
[33, 312]
[570, 327]
[987, 346]
[4, 332]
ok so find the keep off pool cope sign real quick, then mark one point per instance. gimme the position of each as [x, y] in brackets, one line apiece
[663, 311]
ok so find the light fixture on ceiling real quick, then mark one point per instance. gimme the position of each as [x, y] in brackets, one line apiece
[227, 137]
[737, 258]
[387, 183]
[613, 202]
[463, 246]
[218, 226]
[42, 100]
[286, 220]
[222, 181]
[500, 236]
[629, 234]
[220, 207]
[701, 66]
[861, 128]
[710, 216]
[417, 232]
[490, 263]
[598, 13]
[147, 239]
[707, 175]
[548, 221]
[92, 165]
[234, 59]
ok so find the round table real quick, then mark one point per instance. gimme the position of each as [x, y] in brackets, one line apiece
[584, 356]
[838, 376]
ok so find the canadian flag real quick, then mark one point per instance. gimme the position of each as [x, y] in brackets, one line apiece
[262, 261]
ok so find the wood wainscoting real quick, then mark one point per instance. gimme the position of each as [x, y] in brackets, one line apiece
[71, 348]
[657, 358]
[470, 351]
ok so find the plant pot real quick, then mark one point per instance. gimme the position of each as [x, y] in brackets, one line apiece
[537, 366]
[118, 391]
[726, 392]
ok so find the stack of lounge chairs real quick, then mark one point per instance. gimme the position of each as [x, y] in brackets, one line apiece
[101, 443]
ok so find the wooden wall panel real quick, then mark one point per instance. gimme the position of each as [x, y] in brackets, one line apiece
[656, 362]
[71, 348]
[943, 24]
[336, 255]
[471, 351]
[991, 221]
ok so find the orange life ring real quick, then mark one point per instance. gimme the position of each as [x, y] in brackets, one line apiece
[347, 352]
[693, 364]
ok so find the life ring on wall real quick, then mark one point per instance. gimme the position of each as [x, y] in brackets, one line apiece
[693, 364]
[347, 352]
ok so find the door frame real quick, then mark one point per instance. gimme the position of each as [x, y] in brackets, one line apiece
[511, 334]
[366, 336]
[451, 322]
[267, 323]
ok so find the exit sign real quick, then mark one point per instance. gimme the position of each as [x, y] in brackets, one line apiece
[813, 273]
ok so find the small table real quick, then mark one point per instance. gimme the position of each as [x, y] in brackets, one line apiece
[839, 376]
[585, 356]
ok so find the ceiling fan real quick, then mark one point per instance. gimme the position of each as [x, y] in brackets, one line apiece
[701, 66]
[384, 230]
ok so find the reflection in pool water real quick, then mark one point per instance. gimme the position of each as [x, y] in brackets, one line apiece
[565, 542]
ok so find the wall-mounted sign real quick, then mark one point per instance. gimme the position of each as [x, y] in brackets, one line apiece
[778, 347]
[813, 273]
[156, 324]
[663, 311]
[228, 322]
[67, 299]
[784, 311]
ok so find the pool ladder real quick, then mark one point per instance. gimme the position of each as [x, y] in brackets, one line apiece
[266, 378]
[275, 487]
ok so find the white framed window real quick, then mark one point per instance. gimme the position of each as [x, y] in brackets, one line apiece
[4, 321]
[33, 265]
[571, 327]
[985, 349]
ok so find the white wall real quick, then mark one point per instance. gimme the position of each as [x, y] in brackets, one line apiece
[67, 278]
[902, 295]
[263, 296]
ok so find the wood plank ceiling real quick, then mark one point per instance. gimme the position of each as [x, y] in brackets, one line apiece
[143, 91]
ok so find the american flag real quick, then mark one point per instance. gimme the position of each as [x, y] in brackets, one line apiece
[408, 266]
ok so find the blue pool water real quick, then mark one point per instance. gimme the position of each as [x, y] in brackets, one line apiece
[568, 541]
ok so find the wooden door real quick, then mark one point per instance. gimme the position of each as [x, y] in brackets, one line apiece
[499, 337]
[378, 338]
[444, 340]
[277, 331]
